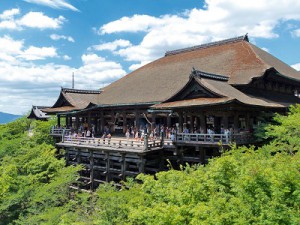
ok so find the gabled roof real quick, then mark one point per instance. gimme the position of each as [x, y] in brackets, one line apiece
[37, 113]
[159, 80]
[74, 99]
[227, 94]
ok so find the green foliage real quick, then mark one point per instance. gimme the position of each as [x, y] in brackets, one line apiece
[286, 133]
[33, 182]
[243, 186]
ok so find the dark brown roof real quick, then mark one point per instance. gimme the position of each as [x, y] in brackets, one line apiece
[230, 94]
[74, 99]
[159, 80]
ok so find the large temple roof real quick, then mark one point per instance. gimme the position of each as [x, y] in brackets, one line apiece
[74, 99]
[157, 81]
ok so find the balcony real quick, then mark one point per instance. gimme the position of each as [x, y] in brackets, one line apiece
[213, 140]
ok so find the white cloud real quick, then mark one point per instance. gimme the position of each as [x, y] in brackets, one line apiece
[9, 14]
[130, 24]
[265, 49]
[10, 46]
[57, 37]
[31, 19]
[218, 20]
[56, 4]
[39, 20]
[66, 57]
[136, 66]
[8, 24]
[35, 53]
[296, 66]
[14, 50]
[296, 33]
[97, 70]
[112, 46]
[44, 81]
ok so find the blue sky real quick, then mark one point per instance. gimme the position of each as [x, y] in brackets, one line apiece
[42, 42]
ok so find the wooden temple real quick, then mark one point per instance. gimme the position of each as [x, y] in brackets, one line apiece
[184, 107]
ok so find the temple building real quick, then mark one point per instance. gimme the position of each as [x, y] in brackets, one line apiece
[220, 84]
[198, 93]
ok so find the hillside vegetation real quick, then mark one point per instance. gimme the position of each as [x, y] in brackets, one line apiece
[243, 186]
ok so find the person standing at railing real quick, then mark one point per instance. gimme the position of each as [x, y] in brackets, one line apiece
[88, 133]
[226, 133]
[127, 134]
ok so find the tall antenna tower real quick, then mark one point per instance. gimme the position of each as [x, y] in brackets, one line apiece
[73, 82]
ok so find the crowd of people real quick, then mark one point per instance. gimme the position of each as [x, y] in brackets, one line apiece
[153, 132]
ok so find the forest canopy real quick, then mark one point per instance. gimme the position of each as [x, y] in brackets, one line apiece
[245, 185]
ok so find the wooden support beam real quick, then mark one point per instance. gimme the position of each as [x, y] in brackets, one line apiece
[91, 158]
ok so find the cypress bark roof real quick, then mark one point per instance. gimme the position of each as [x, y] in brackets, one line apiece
[74, 99]
[227, 94]
[157, 81]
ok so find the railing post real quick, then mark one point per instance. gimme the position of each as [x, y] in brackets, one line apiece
[145, 141]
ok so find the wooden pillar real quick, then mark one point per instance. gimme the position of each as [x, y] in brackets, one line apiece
[58, 120]
[91, 158]
[202, 154]
[169, 121]
[180, 120]
[192, 124]
[113, 118]
[185, 118]
[123, 166]
[124, 122]
[107, 172]
[236, 123]
[137, 119]
[141, 164]
[71, 121]
[247, 121]
[67, 121]
[225, 121]
[89, 119]
[77, 122]
[202, 118]
[101, 121]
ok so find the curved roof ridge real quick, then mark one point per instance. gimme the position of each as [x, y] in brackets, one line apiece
[81, 91]
[207, 45]
[203, 74]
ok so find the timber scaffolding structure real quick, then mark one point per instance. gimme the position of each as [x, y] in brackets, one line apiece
[114, 159]
[199, 93]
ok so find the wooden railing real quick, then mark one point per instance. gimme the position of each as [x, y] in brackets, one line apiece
[113, 142]
[59, 131]
[240, 138]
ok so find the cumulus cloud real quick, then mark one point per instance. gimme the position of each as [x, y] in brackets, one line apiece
[57, 37]
[36, 53]
[9, 14]
[296, 33]
[31, 20]
[296, 66]
[56, 4]
[44, 81]
[97, 69]
[217, 20]
[66, 57]
[39, 20]
[11, 50]
[112, 46]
